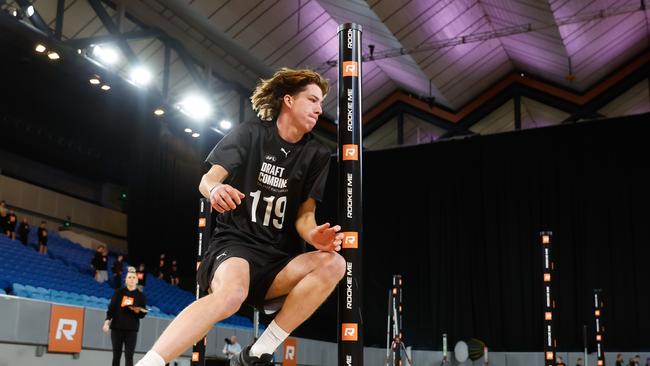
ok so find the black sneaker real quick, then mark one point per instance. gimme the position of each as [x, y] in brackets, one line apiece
[243, 359]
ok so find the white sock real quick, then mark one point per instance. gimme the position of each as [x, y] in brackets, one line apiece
[272, 337]
[151, 359]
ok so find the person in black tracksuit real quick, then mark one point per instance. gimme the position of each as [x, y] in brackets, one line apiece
[126, 309]
[23, 231]
[42, 238]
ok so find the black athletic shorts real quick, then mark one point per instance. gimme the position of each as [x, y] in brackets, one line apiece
[264, 262]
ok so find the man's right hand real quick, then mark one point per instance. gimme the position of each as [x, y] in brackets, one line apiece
[225, 198]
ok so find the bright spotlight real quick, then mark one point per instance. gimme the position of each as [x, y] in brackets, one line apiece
[53, 56]
[30, 10]
[106, 87]
[107, 55]
[159, 111]
[40, 48]
[196, 107]
[140, 76]
[196, 134]
[94, 81]
[188, 130]
[226, 125]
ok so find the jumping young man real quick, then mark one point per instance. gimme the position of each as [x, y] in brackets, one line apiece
[265, 180]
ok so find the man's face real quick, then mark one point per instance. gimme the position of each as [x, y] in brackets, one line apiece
[305, 107]
[233, 339]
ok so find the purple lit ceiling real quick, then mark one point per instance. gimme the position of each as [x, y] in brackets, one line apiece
[243, 39]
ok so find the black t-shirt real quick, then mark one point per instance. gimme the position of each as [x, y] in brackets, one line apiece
[23, 229]
[42, 235]
[121, 316]
[276, 177]
[100, 262]
[11, 222]
[117, 268]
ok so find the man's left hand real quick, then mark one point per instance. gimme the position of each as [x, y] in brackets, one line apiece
[326, 238]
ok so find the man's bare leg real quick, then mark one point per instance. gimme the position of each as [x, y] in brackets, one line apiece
[229, 290]
[307, 281]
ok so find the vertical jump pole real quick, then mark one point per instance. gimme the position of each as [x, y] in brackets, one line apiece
[600, 329]
[204, 230]
[550, 344]
[350, 335]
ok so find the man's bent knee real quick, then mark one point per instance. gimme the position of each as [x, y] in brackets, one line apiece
[228, 300]
[334, 266]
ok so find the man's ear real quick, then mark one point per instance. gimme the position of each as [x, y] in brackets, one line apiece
[288, 100]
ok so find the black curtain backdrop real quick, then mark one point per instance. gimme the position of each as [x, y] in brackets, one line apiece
[460, 221]
[164, 200]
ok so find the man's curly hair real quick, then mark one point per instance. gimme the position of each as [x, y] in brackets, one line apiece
[268, 95]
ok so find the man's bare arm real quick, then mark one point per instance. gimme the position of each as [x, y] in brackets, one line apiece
[223, 197]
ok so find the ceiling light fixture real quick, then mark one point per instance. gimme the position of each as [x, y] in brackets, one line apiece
[106, 55]
[225, 124]
[140, 76]
[196, 107]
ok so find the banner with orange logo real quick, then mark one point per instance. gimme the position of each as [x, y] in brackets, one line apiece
[66, 329]
[290, 352]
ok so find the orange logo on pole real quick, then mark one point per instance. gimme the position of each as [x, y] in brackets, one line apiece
[350, 240]
[350, 152]
[290, 352]
[202, 222]
[66, 329]
[350, 68]
[349, 332]
[195, 357]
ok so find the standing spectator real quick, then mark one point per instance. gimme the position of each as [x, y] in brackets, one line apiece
[117, 270]
[100, 264]
[231, 348]
[620, 361]
[10, 229]
[173, 274]
[126, 309]
[635, 361]
[142, 277]
[23, 231]
[579, 362]
[162, 272]
[3, 216]
[42, 238]
[559, 361]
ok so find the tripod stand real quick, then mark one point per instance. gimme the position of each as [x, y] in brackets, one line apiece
[394, 337]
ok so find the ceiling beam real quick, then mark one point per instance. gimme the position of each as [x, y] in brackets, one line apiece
[134, 35]
[113, 29]
[36, 18]
[236, 80]
[205, 26]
